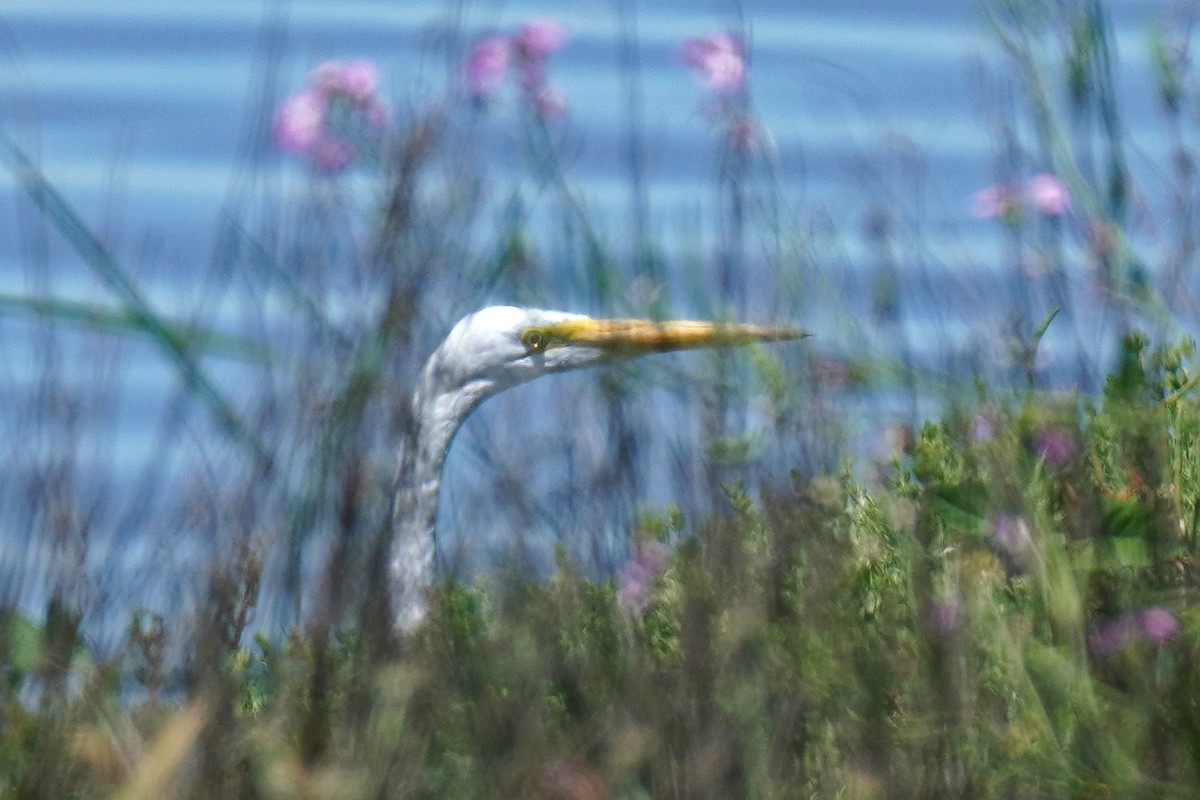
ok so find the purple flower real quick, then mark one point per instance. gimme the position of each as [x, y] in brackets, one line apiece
[945, 615]
[487, 65]
[636, 580]
[1111, 637]
[1156, 623]
[1048, 194]
[1001, 200]
[720, 61]
[322, 119]
[1055, 445]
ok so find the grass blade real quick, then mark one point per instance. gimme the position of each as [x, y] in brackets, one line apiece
[140, 316]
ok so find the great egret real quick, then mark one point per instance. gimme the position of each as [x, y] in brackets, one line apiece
[487, 352]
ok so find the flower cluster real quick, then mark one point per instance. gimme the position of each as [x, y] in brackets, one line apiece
[635, 583]
[524, 55]
[719, 61]
[1044, 193]
[1156, 624]
[337, 109]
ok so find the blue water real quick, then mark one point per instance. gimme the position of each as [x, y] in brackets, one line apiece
[147, 116]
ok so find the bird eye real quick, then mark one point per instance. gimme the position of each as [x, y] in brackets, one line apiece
[534, 339]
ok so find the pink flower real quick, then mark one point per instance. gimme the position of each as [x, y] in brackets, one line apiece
[1159, 624]
[1155, 623]
[300, 120]
[1000, 200]
[359, 80]
[487, 65]
[636, 580]
[536, 40]
[313, 121]
[1048, 194]
[539, 38]
[719, 59]
[1111, 637]
[524, 53]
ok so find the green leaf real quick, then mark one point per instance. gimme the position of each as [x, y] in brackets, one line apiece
[1130, 551]
[117, 320]
[1040, 330]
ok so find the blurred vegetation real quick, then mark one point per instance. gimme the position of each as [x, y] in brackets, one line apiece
[831, 639]
[1002, 604]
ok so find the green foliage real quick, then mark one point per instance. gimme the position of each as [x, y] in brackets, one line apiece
[838, 638]
[834, 639]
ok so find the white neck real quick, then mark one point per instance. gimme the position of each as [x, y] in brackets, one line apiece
[437, 415]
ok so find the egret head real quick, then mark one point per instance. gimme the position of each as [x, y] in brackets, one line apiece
[486, 353]
[502, 346]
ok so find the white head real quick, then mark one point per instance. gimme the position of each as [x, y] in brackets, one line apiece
[500, 347]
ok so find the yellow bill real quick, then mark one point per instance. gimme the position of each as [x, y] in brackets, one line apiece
[633, 336]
